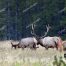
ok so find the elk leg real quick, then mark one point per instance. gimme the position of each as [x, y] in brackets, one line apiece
[31, 47]
[15, 47]
[34, 46]
[57, 47]
[46, 47]
[23, 47]
[60, 48]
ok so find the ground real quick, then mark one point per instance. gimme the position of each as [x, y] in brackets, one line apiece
[40, 57]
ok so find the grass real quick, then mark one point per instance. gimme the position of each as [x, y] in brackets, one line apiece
[27, 57]
[59, 61]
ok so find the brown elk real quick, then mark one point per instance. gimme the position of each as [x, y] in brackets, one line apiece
[30, 42]
[49, 42]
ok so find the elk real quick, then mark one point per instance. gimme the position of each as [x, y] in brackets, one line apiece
[49, 42]
[30, 42]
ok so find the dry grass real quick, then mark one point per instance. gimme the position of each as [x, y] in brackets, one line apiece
[11, 57]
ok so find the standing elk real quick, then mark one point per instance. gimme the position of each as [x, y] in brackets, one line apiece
[30, 42]
[49, 42]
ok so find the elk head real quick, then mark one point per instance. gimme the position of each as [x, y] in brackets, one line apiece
[39, 39]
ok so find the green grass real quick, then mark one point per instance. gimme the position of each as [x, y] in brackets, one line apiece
[59, 61]
[17, 64]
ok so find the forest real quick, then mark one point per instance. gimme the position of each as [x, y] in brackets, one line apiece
[17, 16]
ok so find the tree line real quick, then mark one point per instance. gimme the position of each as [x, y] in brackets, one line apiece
[16, 16]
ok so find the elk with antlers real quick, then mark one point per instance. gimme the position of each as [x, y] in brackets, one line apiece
[30, 42]
[49, 42]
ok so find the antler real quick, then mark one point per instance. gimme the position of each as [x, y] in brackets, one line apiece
[47, 27]
[33, 32]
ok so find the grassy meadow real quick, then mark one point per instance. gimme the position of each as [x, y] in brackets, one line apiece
[40, 57]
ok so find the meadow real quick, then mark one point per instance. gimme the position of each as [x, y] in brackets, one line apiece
[27, 57]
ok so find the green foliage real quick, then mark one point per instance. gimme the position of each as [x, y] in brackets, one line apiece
[37, 64]
[46, 10]
[17, 64]
[58, 61]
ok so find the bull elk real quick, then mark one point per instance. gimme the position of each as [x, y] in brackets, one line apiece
[30, 42]
[49, 42]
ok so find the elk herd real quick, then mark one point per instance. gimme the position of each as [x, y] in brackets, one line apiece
[44, 41]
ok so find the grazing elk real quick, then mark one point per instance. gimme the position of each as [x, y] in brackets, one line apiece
[49, 42]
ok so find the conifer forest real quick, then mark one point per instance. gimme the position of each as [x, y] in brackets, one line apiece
[17, 16]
